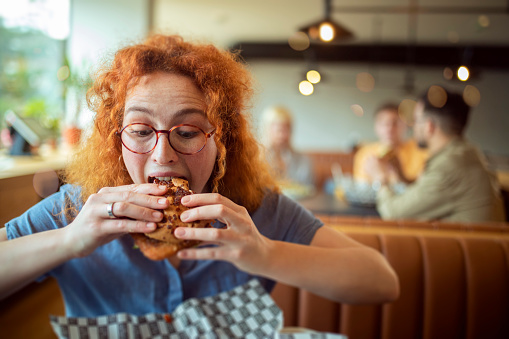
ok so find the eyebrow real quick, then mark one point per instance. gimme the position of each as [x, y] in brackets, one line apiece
[177, 114]
[139, 109]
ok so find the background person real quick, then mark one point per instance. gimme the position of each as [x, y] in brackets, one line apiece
[80, 234]
[399, 157]
[289, 166]
[456, 184]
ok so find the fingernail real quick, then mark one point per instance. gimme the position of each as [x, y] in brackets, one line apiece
[157, 214]
[185, 199]
[184, 216]
[162, 187]
[151, 226]
[180, 231]
[162, 201]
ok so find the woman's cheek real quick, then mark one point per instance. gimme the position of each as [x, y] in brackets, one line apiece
[203, 168]
[135, 166]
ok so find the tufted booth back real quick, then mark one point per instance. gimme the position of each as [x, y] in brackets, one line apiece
[323, 161]
[454, 284]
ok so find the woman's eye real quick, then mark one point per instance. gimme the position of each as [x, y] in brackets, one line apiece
[141, 132]
[187, 134]
[145, 132]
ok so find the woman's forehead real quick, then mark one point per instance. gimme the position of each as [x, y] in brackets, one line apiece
[166, 88]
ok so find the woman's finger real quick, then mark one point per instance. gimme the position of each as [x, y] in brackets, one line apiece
[195, 200]
[129, 226]
[223, 213]
[213, 206]
[205, 253]
[118, 210]
[151, 189]
[209, 235]
[116, 226]
[129, 204]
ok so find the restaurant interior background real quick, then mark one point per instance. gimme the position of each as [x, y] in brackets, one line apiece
[397, 49]
[329, 119]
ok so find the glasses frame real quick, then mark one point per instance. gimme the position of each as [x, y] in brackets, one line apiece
[167, 132]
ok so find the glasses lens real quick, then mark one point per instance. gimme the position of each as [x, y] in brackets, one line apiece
[142, 138]
[139, 138]
[187, 139]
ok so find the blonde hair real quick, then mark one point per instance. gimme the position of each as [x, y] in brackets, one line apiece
[277, 114]
[274, 114]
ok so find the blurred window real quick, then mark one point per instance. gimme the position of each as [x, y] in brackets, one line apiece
[33, 37]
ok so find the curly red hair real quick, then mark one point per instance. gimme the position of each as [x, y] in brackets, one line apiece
[240, 173]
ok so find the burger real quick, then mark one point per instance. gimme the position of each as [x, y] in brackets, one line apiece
[161, 243]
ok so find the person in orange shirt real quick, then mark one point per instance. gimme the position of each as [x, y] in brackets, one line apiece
[402, 159]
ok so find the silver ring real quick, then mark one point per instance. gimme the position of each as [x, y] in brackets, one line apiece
[109, 208]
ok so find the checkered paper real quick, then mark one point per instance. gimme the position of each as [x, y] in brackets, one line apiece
[309, 334]
[246, 311]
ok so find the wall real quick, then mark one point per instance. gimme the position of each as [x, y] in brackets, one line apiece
[324, 120]
[98, 29]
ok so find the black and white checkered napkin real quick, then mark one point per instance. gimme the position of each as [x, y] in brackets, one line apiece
[304, 333]
[246, 311]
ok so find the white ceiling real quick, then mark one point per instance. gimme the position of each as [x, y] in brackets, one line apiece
[226, 22]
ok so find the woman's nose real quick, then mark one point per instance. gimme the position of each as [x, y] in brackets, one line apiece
[164, 153]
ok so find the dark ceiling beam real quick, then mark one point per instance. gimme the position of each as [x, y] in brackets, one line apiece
[491, 57]
[419, 10]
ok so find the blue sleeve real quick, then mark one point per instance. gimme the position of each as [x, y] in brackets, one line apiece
[46, 215]
[281, 218]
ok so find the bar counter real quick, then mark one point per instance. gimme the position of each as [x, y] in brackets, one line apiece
[25, 180]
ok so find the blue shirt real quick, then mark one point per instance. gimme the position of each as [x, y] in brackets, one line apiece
[116, 277]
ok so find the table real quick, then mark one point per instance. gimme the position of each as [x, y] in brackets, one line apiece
[24, 178]
[323, 203]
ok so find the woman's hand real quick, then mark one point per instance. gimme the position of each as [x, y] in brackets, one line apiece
[133, 208]
[239, 243]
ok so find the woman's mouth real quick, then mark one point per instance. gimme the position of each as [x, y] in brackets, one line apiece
[151, 178]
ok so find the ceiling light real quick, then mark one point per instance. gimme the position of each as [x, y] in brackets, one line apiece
[471, 95]
[463, 73]
[313, 76]
[484, 21]
[299, 41]
[306, 88]
[326, 30]
[448, 73]
[365, 82]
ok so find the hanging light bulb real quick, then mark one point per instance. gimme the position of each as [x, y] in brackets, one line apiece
[306, 88]
[327, 32]
[463, 73]
[313, 76]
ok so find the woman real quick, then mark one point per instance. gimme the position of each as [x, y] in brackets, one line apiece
[289, 166]
[79, 235]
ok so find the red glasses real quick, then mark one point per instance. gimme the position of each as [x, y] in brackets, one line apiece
[185, 139]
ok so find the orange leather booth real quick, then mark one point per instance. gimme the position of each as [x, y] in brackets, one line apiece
[454, 283]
